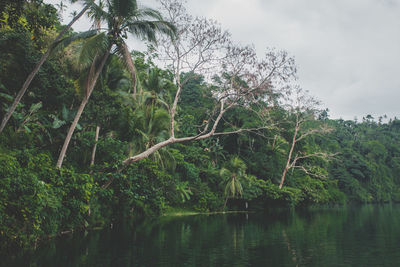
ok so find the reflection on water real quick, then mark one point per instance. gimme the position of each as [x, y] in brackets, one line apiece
[354, 236]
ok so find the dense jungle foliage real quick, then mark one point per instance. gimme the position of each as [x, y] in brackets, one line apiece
[354, 161]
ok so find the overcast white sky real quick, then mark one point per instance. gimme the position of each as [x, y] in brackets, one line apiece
[347, 51]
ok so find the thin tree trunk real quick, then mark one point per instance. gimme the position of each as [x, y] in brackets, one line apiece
[71, 131]
[283, 176]
[173, 140]
[80, 110]
[287, 167]
[226, 200]
[36, 70]
[96, 139]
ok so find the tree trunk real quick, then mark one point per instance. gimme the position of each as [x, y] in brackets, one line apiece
[96, 139]
[226, 200]
[287, 167]
[36, 70]
[71, 131]
[80, 110]
[283, 176]
[149, 151]
[173, 140]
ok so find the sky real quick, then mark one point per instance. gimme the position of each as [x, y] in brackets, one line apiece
[347, 51]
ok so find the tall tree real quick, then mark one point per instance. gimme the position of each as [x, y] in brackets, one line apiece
[151, 124]
[304, 109]
[201, 46]
[122, 17]
[232, 174]
[31, 76]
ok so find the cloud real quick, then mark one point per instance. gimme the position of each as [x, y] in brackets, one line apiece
[347, 51]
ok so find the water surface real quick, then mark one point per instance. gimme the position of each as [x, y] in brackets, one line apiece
[354, 236]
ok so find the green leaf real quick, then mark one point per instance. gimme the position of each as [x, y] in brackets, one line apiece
[6, 96]
[35, 107]
[57, 123]
[27, 129]
[64, 113]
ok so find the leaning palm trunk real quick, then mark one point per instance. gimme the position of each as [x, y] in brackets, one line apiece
[89, 91]
[36, 70]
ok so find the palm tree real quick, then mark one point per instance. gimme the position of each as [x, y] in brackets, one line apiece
[122, 17]
[159, 86]
[231, 175]
[7, 116]
[115, 79]
[151, 123]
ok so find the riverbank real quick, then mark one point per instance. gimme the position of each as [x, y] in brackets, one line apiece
[182, 212]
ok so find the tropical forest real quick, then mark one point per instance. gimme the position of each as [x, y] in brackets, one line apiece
[95, 131]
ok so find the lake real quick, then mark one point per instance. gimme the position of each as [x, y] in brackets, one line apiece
[367, 235]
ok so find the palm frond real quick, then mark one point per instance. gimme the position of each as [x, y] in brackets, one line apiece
[92, 48]
[97, 14]
[168, 159]
[147, 30]
[225, 173]
[61, 44]
[145, 12]
[123, 8]
[162, 104]
[126, 59]
[228, 189]
[238, 165]
[233, 188]
[238, 188]
[143, 98]
[232, 175]
[161, 117]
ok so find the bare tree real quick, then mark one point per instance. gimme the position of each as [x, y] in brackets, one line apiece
[202, 47]
[304, 108]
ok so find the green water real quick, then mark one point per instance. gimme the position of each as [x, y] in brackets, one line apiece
[353, 236]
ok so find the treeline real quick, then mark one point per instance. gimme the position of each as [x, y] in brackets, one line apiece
[231, 141]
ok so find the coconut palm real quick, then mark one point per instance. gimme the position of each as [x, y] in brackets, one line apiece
[159, 86]
[149, 121]
[86, 5]
[122, 17]
[151, 126]
[231, 175]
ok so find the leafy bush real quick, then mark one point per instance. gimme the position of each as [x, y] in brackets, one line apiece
[38, 200]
